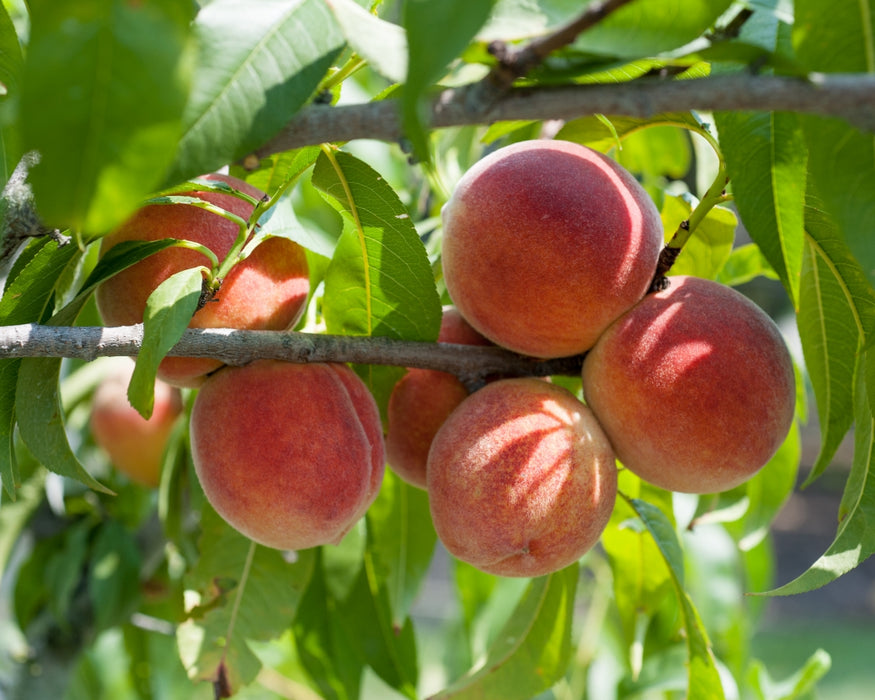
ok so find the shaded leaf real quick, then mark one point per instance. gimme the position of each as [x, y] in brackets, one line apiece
[104, 146]
[382, 44]
[533, 650]
[114, 575]
[258, 62]
[746, 262]
[799, 685]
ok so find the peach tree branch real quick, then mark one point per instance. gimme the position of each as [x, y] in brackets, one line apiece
[848, 96]
[237, 347]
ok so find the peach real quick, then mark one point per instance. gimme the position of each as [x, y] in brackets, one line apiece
[421, 401]
[290, 455]
[267, 291]
[694, 386]
[521, 479]
[134, 445]
[545, 244]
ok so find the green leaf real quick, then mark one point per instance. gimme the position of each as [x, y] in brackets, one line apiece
[707, 251]
[855, 537]
[766, 163]
[401, 539]
[247, 593]
[368, 623]
[840, 37]
[168, 312]
[437, 32]
[533, 650]
[799, 685]
[836, 312]
[380, 281]
[703, 678]
[276, 173]
[746, 262]
[649, 27]
[104, 88]
[382, 44]
[258, 62]
[604, 133]
[114, 575]
[11, 65]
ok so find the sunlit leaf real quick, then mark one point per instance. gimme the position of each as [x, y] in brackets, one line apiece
[258, 62]
[744, 263]
[103, 144]
[382, 44]
[708, 249]
[798, 685]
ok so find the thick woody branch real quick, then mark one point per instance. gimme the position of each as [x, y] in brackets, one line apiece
[846, 96]
[237, 347]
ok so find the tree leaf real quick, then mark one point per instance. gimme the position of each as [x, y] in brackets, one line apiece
[708, 249]
[840, 37]
[11, 65]
[380, 281]
[855, 537]
[401, 538]
[437, 32]
[649, 27]
[703, 678]
[799, 685]
[247, 593]
[766, 162]
[114, 575]
[382, 44]
[746, 262]
[258, 62]
[104, 88]
[533, 650]
[275, 173]
[168, 312]
[836, 312]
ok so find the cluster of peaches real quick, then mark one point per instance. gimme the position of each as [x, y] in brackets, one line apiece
[549, 250]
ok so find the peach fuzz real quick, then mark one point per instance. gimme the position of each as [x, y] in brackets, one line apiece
[267, 291]
[694, 386]
[521, 479]
[135, 445]
[420, 403]
[290, 455]
[546, 243]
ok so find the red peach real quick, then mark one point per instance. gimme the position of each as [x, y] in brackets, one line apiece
[694, 386]
[545, 244]
[267, 291]
[134, 445]
[291, 455]
[521, 479]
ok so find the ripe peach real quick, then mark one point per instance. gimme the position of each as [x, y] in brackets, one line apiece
[291, 455]
[421, 401]
[521, 479]
[267, 291]
[134, 445]
[545, 244]
[694, 386]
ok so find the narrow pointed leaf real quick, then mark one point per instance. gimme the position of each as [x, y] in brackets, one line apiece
[168, 312]
[382, 44]
[258, 62]
[533, 650]
[104, 145]
[767, 164]
[703, 678]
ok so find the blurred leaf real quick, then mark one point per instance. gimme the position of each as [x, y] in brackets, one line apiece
[766, 161]
[649, 27]
[533, 650]
[247, 592]
[401, 538]
[368, 624]
[658, 151]
[836, 311]
[839, 37]
[797, 686]
[322, 643]
[15, 516]
[382, 44]
[168, 312]
[258, 62]
[62, 569]
[519, 19]
[105, 84]
[380, 281]
[744, 264]
[604, 133]
[114, 574]
[708, 249]
[11, 65]
[855, 537]
[437, 32]
[703, 678]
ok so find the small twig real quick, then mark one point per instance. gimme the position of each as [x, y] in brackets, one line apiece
[515, 63]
